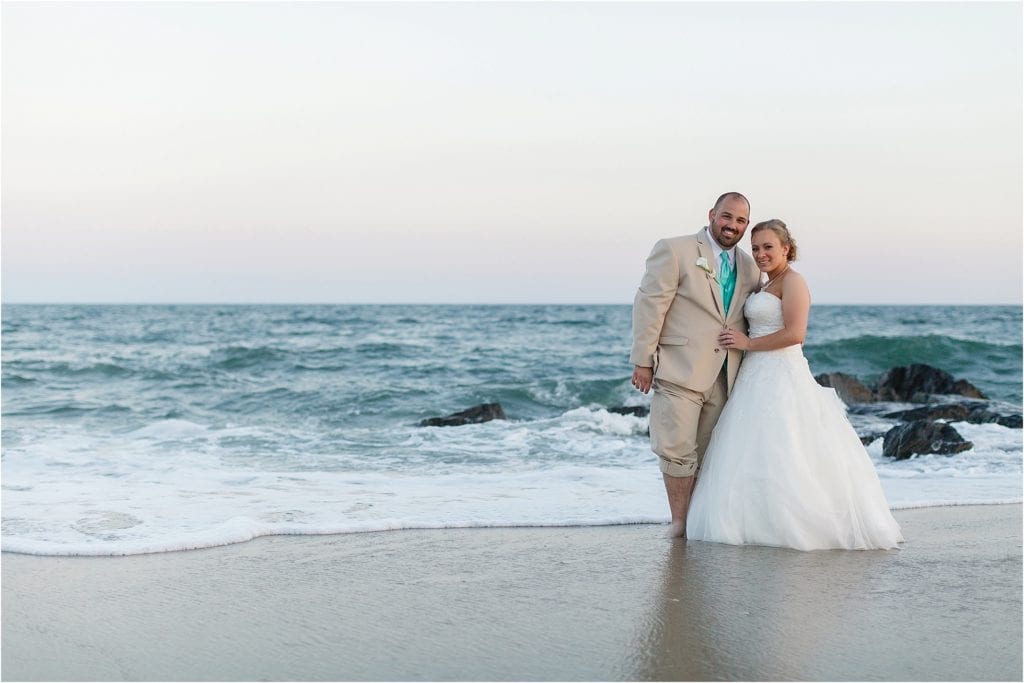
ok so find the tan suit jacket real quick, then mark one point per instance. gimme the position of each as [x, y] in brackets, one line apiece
[678, 313]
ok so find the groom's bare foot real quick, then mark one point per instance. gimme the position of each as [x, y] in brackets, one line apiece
[678, 490]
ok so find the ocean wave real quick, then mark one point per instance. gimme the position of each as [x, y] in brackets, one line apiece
[336, 319]
[14, 380]
[385, 350]
[101, 370]
[282, 400]
[64, 409]
[171, 429]
[948, 353]
[982, 363]
[239, 357]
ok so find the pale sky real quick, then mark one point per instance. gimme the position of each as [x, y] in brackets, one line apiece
[502, 152]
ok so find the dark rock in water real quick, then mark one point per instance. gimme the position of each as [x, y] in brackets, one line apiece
[954, 412]
[1012, 421]
[984, 412]
[485, 412]
[975, 412]
[903, 383]
[638, 411]
[965, 388]
[849, 388]
[920, 437]
[869, 438]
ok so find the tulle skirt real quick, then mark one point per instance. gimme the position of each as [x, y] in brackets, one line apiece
[785, 468]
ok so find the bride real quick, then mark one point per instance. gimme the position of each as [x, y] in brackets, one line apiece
[784, 467]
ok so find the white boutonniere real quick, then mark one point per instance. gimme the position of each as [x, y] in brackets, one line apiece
[702, 263]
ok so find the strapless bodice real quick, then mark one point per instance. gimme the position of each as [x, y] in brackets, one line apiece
[764, 314]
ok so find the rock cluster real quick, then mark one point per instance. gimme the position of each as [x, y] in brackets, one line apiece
[917, 383]
[920, 432]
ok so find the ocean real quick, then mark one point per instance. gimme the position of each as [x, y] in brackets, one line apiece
[149, 428]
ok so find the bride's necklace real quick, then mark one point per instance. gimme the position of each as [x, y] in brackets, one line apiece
[769, 283]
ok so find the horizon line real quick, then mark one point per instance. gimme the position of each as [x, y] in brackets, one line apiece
[426, 303]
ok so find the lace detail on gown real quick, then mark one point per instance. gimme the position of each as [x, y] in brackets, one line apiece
[764, 315]
[784, 466]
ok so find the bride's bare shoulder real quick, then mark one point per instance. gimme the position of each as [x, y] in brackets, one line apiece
[793, 276]
[794, 283]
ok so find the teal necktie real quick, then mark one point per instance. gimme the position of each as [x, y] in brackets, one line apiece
[727, 279]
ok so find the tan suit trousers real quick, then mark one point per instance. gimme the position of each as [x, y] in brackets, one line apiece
[681, 424]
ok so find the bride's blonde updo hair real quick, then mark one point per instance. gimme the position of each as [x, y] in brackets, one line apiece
[780, 229]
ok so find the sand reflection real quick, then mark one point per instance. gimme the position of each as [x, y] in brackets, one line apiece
[749, 612]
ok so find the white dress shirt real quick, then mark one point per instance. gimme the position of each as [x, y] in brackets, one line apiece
[717, 250]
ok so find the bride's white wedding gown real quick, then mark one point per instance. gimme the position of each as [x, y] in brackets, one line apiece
[784, 466]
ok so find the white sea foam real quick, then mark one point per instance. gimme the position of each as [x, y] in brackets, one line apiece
[192, 509]
[171, 429]
[176, 485]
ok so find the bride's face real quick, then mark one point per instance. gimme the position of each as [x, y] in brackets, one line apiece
[768, 251]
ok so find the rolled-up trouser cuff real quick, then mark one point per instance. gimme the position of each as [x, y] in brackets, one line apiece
[674, 469]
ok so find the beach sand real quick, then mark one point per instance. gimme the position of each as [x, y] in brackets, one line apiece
[606, 603]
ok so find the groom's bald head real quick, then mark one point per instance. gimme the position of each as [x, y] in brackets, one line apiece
[731, 195]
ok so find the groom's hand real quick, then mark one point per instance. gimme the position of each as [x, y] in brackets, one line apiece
[642, 378]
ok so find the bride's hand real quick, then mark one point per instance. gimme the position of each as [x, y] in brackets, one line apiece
[733, 339]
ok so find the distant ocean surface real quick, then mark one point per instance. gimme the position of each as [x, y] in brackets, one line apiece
[131, 429]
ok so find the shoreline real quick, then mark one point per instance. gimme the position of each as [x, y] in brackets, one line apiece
[529, 603]
[248, 537]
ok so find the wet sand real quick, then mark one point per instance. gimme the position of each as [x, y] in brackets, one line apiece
[611, 603]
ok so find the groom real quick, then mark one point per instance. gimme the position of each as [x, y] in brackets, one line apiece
[694, 287]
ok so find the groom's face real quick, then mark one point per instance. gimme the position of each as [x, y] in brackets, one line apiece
[728, 221]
